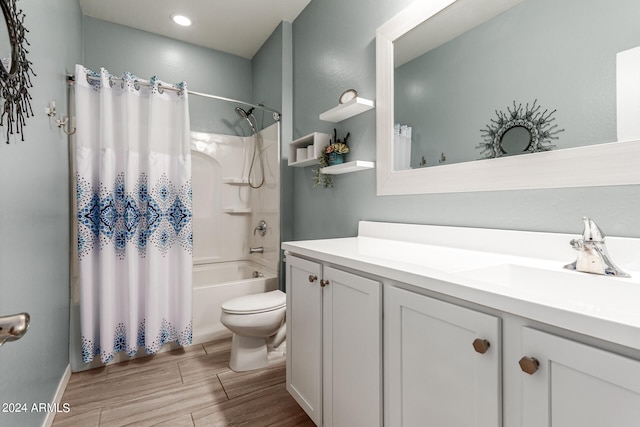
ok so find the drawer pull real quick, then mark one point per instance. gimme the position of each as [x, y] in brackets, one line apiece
[481, 346]
[529, 365]
[312, 278]
[324, 282]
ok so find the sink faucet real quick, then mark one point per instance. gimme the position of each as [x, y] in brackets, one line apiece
[592, 252]
[257, 250]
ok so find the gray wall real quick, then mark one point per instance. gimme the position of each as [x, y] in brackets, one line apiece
[334, 49]
[266, 66]
[119, 49]
[272, 84]
[34, 218]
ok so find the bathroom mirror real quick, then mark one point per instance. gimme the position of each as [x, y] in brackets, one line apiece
[15, 71]
[8, 61]
[439, 22]
[515, 140]
[522, 129]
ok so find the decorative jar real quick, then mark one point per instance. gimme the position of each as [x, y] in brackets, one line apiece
[334, 158]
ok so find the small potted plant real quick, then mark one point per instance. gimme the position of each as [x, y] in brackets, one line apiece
[332, 154]
[335, 151]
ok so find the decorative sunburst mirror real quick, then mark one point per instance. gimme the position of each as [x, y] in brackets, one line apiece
[519, 131]
[15, 70]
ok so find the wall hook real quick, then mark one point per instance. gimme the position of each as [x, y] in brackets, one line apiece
[51, 109]
[62, 121]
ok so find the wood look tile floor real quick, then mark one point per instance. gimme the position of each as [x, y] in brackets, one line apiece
[187, 387]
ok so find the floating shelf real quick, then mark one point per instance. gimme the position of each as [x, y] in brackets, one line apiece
[237, 211]
[317, 140]
[354, 166]
[348, 109]
[304, 163]
[234, 181]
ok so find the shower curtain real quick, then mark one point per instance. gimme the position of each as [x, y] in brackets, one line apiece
[134, 214]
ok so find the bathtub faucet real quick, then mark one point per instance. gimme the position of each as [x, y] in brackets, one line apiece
[257, 250]
[261, 228]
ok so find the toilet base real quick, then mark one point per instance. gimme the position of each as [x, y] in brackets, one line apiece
[249, 353]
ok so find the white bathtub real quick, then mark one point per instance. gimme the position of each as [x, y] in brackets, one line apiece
[216, 283]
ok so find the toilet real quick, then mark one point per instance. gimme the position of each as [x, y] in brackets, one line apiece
[258, 325]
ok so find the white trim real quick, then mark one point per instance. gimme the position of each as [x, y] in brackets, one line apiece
[614, 163]
[57, 398]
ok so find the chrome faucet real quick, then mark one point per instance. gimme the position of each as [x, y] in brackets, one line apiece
[592, 252]
[261, 228]
[257, 250]
[13, 327]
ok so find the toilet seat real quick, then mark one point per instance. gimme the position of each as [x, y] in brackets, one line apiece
[256, 303]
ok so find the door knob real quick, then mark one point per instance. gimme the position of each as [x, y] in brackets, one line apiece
[529, 365]
[312, 278]
[481, 346]
[13, 327]
[324, 282]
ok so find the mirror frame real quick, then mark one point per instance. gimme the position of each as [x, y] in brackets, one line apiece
[613, 163]
[15, 83]
[4, 73]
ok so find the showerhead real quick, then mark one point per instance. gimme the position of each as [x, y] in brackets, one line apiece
[243, 113]
[246, 115]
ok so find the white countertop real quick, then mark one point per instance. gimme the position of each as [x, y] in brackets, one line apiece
[511, 271]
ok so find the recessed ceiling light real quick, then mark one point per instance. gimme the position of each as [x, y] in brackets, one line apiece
[181, 20]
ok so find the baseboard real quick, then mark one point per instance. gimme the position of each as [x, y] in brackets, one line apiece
[57, 398]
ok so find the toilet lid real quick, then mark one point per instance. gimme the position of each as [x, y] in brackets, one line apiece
[255, 303]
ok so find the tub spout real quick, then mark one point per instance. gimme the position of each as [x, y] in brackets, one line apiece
[257, 250]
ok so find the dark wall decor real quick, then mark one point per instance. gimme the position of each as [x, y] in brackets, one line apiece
[15, 70]
[518, 131]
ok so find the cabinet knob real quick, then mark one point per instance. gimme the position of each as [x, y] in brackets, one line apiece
[312, 278]
[481, 346]
[324, 282]
[529, 365]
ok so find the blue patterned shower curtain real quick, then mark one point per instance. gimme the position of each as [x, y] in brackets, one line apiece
[134, 214]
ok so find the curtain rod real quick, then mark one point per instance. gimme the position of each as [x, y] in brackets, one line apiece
[276, 114]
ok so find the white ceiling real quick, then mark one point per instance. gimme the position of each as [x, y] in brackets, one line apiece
[238, 27]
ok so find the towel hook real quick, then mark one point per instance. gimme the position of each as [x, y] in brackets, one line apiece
[62, 121]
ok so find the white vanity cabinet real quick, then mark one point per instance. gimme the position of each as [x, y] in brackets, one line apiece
[304, 335]
[490, 333]
[573, 384]
[442, 363]
[334, 344]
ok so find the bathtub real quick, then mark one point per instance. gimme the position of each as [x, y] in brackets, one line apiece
[216, 283]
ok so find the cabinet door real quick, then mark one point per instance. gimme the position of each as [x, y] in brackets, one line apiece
[433, 374]
[352, 350]
[578, 385]
[304, 335]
